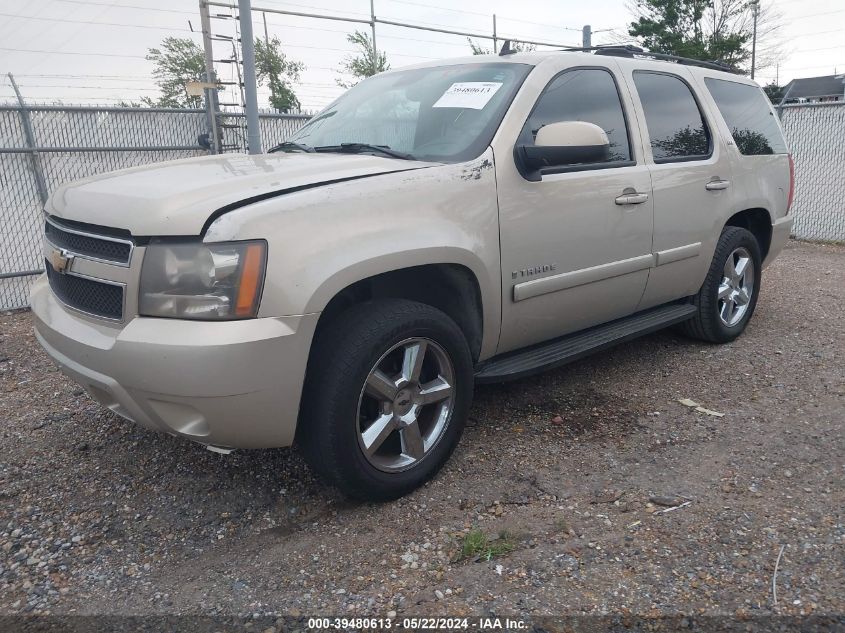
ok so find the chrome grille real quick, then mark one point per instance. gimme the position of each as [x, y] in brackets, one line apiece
[101, 247]
[91, 296]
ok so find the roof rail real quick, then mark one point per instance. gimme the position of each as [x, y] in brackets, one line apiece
[627, 50]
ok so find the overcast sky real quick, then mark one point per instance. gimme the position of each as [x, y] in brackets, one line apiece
[80, 51]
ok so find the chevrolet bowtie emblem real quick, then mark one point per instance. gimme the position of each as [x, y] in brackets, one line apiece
[60, 260]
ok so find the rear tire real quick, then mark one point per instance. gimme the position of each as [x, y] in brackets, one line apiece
[729, 294]
[388, 391]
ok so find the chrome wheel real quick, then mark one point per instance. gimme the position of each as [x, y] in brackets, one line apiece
[737, 287]
[406, 404]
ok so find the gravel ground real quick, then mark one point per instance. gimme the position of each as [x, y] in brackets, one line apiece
[576, 465]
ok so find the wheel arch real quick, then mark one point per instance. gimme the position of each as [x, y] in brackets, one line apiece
[452, 287]
[758, 221]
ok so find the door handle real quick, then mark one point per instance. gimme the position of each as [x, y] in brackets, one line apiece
[717, 184]
[631, 196]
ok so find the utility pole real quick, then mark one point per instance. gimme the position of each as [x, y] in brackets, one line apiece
[495, 40]
[266, 37]
[253, 134]
[211, 103]
[755, 10]
[587, 36]
[373, 26]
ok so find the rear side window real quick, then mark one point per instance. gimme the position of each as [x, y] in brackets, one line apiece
[585, 94]
[748, 115]
[675, 124]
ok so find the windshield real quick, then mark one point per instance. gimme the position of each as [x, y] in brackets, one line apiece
[443, 114]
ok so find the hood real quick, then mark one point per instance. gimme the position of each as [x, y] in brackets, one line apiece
[177, 197]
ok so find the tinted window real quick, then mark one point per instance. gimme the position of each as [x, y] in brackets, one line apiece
[582, 95]
[748, 115]
[675, 125]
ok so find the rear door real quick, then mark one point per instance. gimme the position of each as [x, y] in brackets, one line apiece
[691, 177]
[575, 241]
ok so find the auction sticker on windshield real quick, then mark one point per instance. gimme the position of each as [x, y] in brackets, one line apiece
[468, 94]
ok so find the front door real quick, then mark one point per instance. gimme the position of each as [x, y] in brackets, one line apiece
[575, 241]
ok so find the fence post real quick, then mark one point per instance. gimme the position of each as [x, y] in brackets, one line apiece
[211, 101]
[253, 134]
[34, 158]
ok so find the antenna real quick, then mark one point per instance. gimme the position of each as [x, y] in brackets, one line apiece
[506, 49]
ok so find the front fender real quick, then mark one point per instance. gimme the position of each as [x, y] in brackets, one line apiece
[323, 240]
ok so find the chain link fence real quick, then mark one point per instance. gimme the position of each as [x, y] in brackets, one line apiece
[816, 136]
[44, 146]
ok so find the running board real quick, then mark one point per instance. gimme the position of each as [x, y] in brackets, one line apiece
[564, 350]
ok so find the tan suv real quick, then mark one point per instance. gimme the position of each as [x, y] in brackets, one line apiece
[463, 221]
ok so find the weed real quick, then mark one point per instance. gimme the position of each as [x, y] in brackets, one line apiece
[476, 544]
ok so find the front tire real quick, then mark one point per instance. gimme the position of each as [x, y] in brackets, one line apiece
[386, 399]
[729, 294]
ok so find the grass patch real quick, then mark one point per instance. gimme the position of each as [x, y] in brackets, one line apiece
[477, 544]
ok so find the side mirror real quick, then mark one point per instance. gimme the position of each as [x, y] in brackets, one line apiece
[565, 143]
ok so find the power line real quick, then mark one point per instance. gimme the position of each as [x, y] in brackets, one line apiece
[126, 6]
[347, 31]
[793, 68]
[823, 48]
[284, 5]
[813, 15]
[550, 26]
[87, 87]
[91, 23]
[28, 50]
[816, 33]
[106, 77]
[434, 6]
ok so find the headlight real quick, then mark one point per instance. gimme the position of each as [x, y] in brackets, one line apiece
[202, 281]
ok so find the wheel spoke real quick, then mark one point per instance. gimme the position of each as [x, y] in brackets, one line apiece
[435, 391]
[741, 267]
[412, 361]
[730, 269]
[742, 297]
[412, 441]
[728, 310]
[724, 292]
[380, 387]
[377, 432]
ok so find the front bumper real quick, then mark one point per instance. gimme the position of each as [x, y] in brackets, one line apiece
[234, 384]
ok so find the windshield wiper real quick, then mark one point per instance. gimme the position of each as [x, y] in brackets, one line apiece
[288, 146]
[354, 148]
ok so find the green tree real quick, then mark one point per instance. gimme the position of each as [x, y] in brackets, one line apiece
[366, 62]
[700, 29]
[774, 92]
[278, 72]
[518, 47]
[180, 60]
[177, 61]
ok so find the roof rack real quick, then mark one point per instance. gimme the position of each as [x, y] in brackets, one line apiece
[628, 50]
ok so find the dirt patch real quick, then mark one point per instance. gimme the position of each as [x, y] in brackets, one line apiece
[102, 517]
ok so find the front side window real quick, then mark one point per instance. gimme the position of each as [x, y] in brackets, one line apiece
[584, 94]
[675, 124]
[748, 115]
[442, 113]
